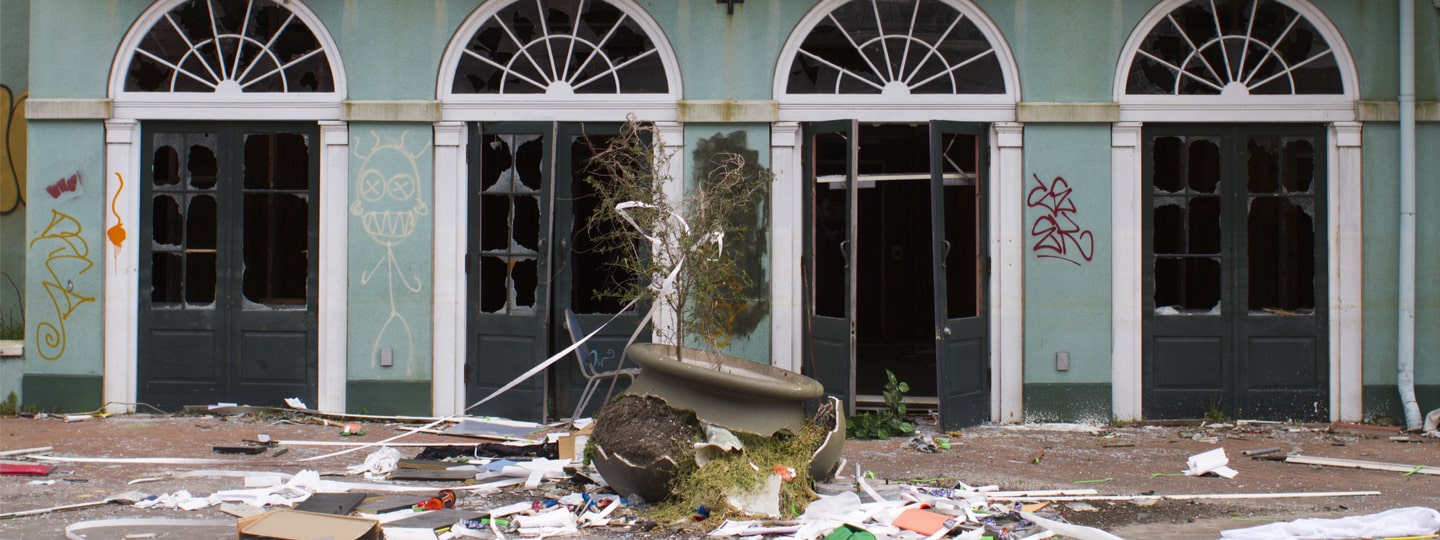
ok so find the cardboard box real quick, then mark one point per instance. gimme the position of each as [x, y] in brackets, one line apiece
[297, 525]
[572, 445]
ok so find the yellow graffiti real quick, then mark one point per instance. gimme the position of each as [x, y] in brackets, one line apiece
[116, 232]
[12, 151]
[69, 249]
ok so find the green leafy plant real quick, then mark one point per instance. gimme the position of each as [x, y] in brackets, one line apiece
[887, 422]
[11, 405]
[657, 238]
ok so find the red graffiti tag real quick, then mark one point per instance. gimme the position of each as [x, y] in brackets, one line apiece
[63, 186]
[1057, 230]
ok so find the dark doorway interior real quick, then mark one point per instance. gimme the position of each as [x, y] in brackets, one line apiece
[895, 296]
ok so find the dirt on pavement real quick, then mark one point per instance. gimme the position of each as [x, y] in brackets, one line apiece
[1126, 461]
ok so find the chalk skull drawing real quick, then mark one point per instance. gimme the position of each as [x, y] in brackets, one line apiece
[389, 204]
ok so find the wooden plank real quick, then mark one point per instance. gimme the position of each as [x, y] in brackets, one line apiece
[1361, 464]
[25, 451]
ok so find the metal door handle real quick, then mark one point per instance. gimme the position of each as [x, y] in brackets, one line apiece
[944, 252]
[845, 252]
[946, 331]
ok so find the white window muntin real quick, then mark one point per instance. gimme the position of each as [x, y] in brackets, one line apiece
[225, 105]
[659, 107]
[1238, 108]
[890, 107]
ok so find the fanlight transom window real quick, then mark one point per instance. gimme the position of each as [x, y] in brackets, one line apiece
[1234, 48]
[230, 47]
[896, 47]
[560, 47]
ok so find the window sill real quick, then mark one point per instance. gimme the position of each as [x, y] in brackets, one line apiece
[12, 348]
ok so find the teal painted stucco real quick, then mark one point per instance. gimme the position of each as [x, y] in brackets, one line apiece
[1067, 246]
[727, 57]
[391, 246]
[73, 44]
[1068, 402]
[1382, 248]
[65, 250]
[754, 345]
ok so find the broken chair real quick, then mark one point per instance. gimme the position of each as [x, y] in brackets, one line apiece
[592, 366]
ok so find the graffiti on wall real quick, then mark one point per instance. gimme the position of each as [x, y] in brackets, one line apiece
[68, 257]
[12, 150]
[116, 232]
[1057, 234]
[64, 189]
[389, 204]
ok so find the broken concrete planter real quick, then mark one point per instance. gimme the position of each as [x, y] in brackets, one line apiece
[724, 390]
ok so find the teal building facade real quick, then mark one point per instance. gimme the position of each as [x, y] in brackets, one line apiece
[1075, 210]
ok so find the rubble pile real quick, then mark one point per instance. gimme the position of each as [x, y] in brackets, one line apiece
[497, 478]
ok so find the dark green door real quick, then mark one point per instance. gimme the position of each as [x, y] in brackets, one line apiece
[531, 259]
[1235, 315]
[958, 222]
[511, 181]
[228, 265]
[830, 173]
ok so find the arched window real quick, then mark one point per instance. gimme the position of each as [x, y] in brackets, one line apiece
[1234, 48]
[229, 47]
[896, 60]
[544, 48]
[895, 47]
[569, 60]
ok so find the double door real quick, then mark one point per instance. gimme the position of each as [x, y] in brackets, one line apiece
[532, 257]
[896, 258]
[228, 263]
[1236, 283]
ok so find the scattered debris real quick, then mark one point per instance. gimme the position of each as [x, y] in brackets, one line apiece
[24, 469]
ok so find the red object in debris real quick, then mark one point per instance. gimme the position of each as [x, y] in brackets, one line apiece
[16, 469]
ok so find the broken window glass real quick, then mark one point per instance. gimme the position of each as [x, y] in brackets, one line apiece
[229, 46]
[1281, 227]
[183, 220]
[276, 219]
[896, 47]
[511, 178]
[593, 270]
[1186, 228]
[560, 47]
[1244, 47]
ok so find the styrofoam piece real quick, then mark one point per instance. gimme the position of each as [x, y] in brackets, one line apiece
[1213, 461]
[1411, 521]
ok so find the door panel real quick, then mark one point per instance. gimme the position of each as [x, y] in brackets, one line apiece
[830, 173]
[1235, 319]
[581, 269]
[530, 205]
[233, 284]
[510, 200]
[962, 357]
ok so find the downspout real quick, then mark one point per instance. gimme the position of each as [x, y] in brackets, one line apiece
[1406, 364]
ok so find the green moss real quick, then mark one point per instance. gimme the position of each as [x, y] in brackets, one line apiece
[741, 471]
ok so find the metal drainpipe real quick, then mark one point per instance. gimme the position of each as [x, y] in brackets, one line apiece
[1406, 364]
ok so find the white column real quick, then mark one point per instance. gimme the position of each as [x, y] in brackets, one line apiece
[1126, 222]
[1007, 290]
[1347, 286]
[672, 144]
[451, 227]
[334, 263]
[121, 282]
[787, 241]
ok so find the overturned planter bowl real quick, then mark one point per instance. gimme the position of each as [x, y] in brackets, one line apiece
[651, 481]
[827, 457]
[724, 390]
